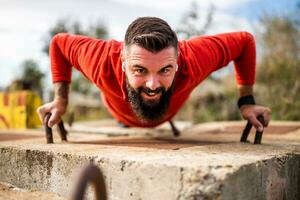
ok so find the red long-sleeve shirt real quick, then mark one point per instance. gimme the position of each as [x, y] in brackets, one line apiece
[100, 61]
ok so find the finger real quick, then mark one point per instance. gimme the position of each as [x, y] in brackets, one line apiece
[266, 115]
[54, 119]
[41, 113]
[256, 123]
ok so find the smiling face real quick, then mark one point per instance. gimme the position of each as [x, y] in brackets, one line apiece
[150, 62]
[150, 77]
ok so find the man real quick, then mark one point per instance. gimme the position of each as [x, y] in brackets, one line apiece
[145, 80]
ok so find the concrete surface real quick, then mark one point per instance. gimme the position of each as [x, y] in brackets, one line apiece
[205, 162]
[10, 192]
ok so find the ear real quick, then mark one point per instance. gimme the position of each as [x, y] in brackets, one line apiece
[176, 67]
[123, 66]
[123, 60]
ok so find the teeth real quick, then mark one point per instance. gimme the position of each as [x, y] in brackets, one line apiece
[151, 93]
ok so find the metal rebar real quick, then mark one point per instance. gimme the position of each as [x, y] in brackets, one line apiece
[49, 134]
[258, 134]
[91, 174]
[246, 132]
[62, 131]
[175, 131]
[48, 130]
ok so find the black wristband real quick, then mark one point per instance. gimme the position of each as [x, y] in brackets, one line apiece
[246, 100]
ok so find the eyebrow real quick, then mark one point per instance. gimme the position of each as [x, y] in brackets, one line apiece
[139, 66]
[168, 66]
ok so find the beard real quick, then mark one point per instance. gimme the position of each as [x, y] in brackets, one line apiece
[149, 110]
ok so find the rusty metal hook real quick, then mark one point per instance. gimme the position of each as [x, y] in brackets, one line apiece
[92, 174]
[175, 131]
[61, 129]
[246, 131]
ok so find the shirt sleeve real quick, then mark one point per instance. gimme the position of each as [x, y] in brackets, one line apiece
[85, 54]
[207, 54]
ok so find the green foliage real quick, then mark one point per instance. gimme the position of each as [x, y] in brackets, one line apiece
[85, 113]
[279, 67]
[209, 106]
[32, 73]
[30, 78]
[82, 85]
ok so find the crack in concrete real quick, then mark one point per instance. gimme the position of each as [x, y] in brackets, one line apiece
[181, 183]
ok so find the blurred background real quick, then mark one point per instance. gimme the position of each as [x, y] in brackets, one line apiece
[27, 26]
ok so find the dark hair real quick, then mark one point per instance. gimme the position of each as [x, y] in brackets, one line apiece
[151, 33]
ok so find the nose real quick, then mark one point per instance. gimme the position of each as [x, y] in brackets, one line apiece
[152, 82]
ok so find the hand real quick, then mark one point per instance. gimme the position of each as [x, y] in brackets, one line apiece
[251, 112]
[57, 108]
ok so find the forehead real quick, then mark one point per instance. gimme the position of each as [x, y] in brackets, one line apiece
[138, 55]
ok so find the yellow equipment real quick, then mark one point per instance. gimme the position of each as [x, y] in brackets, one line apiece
[18, 109]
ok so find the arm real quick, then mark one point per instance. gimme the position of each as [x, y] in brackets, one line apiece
[67, 51]
[245, 90]
[206, 54]
[210, 53]
[61, 92]
[58, 106]
[245, 79]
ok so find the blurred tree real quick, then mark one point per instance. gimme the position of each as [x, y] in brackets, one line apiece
[97, 30]
[59, 27]
[279, 66]
[31, 77]
[192, 24]
[81, 84]
[32, 73]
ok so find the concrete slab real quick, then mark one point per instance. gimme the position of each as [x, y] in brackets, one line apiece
[206, 162]
[10, 192]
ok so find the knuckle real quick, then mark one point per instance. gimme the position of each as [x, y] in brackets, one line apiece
[252, 117]
[39, 110]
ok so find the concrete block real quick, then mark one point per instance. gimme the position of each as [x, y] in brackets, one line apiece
[198, 165]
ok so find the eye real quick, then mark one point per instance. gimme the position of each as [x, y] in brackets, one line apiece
[165, 70]
[139, 71]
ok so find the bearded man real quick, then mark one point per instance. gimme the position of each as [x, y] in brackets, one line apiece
[146, 79]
